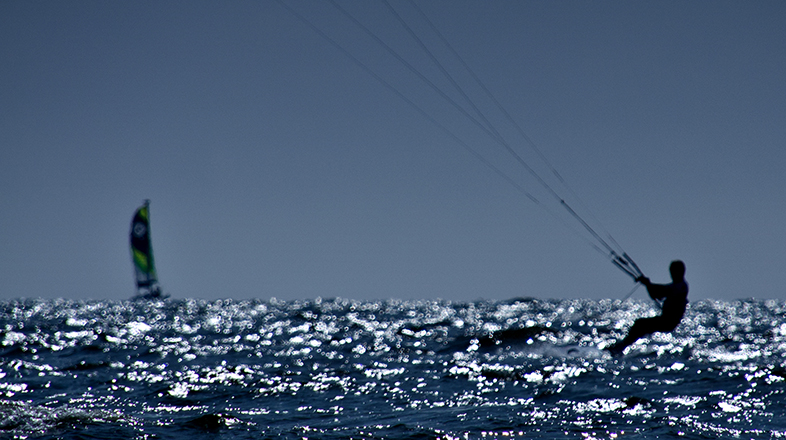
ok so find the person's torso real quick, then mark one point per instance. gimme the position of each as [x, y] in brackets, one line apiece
[676, 300]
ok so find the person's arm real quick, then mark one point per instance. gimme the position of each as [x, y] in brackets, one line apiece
[656, 291]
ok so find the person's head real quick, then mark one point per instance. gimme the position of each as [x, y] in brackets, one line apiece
[677, 270]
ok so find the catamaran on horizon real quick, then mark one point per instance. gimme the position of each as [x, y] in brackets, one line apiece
[147, 286]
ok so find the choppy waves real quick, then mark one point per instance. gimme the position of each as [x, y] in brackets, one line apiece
[391, 369]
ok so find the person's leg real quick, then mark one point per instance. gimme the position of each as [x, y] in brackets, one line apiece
[640, 328]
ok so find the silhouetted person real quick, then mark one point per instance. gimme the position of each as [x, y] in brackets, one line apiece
[675, 299]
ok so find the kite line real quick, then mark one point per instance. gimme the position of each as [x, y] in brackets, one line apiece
[476, 116]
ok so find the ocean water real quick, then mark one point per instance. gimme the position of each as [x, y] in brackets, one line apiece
[337, 369]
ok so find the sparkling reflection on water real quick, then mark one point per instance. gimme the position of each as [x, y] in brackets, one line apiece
[389, 369]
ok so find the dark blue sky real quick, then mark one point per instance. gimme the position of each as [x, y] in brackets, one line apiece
[278, 167]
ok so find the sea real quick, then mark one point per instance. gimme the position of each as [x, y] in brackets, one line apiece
[344, 369]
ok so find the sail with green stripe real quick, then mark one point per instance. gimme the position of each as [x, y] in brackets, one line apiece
[142, 253]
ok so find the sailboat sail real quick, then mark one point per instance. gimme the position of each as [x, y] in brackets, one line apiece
[142, 250]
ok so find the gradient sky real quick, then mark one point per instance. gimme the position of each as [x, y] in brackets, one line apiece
[278, 167]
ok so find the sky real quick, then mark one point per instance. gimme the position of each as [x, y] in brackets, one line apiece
[288, 154]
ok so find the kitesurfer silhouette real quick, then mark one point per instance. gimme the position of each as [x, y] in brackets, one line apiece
[675, 299]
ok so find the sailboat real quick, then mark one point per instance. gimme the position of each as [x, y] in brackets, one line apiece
[147, 286]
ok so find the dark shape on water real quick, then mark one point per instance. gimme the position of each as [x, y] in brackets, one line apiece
[489, 341]
[153, 293]
[633, 401]
[85, 366]
[675, 299]
[512, 336]
[207, 422]
[411, 329]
